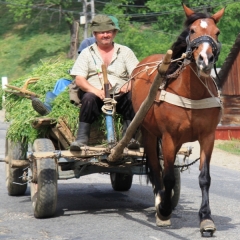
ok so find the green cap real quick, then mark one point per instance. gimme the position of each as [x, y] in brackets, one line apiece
[115, 21]
[101, 23]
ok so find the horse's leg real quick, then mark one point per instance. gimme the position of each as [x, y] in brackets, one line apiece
[206, 222]
[155, 175]
[169, 153]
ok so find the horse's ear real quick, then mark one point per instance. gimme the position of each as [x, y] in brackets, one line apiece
[217, 16]
[187, 10]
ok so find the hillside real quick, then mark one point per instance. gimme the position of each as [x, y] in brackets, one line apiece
[23, 45]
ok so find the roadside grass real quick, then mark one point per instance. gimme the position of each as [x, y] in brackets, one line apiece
[232, 146]
[24, 44]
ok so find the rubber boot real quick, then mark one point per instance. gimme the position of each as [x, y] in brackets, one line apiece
[83, 134]
[43, 108]
[133, 144]
[40, 107]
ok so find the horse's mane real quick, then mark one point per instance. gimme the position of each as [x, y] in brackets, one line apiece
[179, 46]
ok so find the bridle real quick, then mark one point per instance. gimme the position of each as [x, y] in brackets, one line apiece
[191, 45]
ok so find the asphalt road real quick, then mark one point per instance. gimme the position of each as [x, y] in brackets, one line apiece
[88, 208]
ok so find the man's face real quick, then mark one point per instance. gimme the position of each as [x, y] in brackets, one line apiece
[105, 38]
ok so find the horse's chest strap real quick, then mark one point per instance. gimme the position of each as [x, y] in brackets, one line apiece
[188, 103]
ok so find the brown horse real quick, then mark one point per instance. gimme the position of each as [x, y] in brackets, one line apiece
[187, 110]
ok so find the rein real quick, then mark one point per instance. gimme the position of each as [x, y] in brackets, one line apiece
[157, 63]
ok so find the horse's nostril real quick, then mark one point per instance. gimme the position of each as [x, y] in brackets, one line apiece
[211, 59]
[200, 58]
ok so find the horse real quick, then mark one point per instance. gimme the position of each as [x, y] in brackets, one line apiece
[187, 108]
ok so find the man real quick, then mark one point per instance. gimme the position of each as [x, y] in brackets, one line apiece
[120, 62]
[44, 108]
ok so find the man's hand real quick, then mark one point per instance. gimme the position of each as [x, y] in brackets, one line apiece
[99, 93]
[85, 86]
[126, 87]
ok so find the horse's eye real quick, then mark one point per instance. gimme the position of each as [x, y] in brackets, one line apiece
[192, 31]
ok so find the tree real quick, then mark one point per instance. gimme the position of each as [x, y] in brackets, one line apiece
[35, 9]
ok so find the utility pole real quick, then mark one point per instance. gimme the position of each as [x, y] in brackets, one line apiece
[87, 15]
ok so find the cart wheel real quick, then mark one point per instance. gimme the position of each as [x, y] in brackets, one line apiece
[44, 184]
[177, 187]
[14, 175]
[121, 181]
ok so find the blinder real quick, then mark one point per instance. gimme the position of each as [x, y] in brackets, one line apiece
[216, 46]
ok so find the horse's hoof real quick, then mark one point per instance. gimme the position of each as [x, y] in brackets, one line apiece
[207, 227]
[163, 222]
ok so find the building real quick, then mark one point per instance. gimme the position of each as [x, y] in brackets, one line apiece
[229, 84]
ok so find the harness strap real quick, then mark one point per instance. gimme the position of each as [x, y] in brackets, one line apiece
[189, 103]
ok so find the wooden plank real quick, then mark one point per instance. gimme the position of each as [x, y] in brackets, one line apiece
[227, 132]
[98, 151]
[232, 83]
[238, 76]
[232, 111]
[60, 138]
[65, 131]
[230, 119]
[227, 97]
[40, 122]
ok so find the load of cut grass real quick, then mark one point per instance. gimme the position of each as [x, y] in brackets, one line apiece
[20, 113]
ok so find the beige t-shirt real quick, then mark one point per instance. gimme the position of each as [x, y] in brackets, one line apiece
[89, 62]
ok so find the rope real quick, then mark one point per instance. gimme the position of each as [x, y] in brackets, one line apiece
[109, 106]
[207, 86]
[156, 64]
[185, 165]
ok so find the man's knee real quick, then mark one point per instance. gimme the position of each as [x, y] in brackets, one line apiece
[89, 97]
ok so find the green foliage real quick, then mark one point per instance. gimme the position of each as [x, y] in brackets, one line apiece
[229, 27]
[171, 18]
[27, 9]
[19, 111]
[23, 44]
[144, 42]
[151, 29]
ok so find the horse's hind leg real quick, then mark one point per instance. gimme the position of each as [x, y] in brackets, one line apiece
[169, 153]
[155, 174]
[206, 222]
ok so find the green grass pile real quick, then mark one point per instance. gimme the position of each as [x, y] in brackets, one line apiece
[19, 111]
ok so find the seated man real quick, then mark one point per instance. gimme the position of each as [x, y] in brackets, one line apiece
[45, 108]
[120, 61]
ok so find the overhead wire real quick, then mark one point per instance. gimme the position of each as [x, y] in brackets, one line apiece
[134, 15]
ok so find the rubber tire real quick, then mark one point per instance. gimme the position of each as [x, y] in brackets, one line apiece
[121, 181]
[44, 191]
[14, 151]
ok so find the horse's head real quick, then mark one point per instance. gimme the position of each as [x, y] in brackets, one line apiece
[202, 41]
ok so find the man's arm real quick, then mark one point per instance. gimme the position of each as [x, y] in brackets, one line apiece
[131, 62]
[85, 86]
